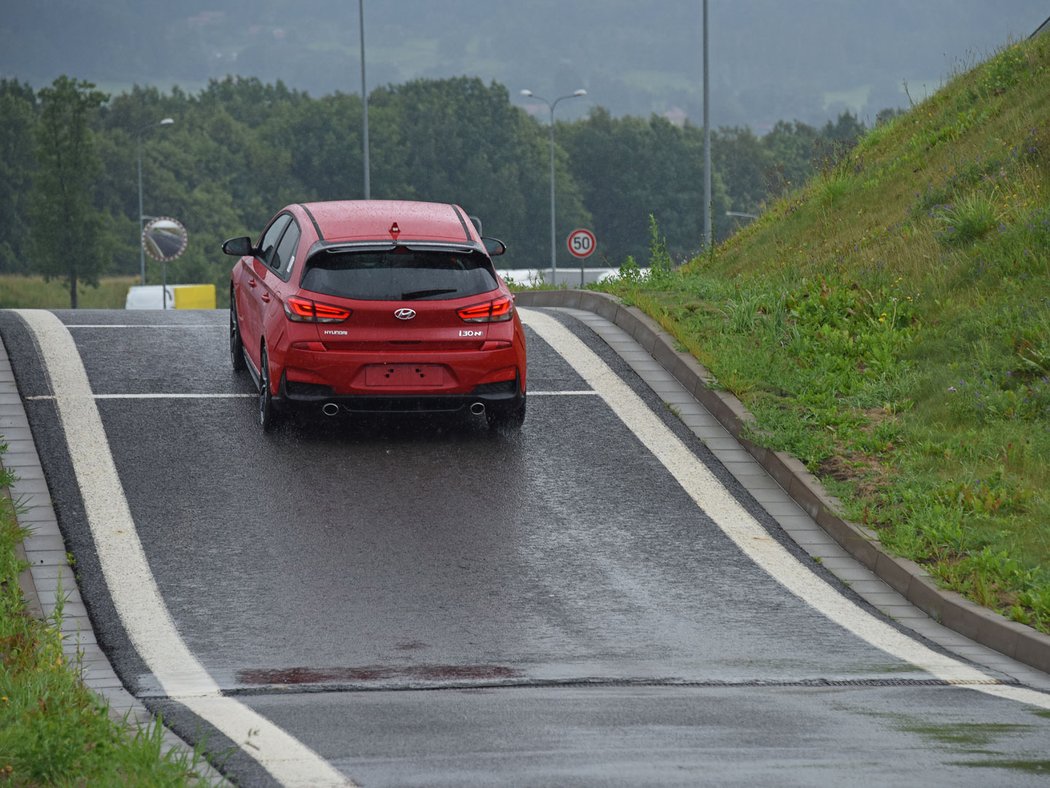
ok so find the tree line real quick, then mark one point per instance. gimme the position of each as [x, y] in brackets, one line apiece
[239, 149]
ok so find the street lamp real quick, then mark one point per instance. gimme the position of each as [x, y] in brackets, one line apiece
[364, 104]
[142, 249]
[707, 141]
[554, 242]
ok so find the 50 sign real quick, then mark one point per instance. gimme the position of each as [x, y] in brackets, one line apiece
[581, 243]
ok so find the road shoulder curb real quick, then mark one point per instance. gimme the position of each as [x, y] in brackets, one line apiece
[1015, 640]
[40, 591]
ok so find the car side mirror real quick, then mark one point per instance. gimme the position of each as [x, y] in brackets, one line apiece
[238, 247]
[494, 246]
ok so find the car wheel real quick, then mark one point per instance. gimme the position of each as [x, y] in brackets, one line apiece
[511, 419]
[267, 411]
[236, 345]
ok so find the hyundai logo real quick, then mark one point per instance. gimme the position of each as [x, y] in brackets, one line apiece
[405, 314]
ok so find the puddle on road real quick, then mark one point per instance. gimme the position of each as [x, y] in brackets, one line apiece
[409, 674]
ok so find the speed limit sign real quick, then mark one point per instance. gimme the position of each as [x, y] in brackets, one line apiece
[581, 243]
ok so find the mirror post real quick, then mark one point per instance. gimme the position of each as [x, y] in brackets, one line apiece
[142, 246]
[142, 218]
[165, 239]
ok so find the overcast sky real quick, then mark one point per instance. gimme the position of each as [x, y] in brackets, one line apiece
[770, 59]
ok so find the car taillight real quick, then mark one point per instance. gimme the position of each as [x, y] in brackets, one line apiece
[495, 311]
[303, 310]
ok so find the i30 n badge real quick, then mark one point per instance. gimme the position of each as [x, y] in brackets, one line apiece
[312, 302]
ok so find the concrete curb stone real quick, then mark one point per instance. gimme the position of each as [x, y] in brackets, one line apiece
[985, 626]
[44, 554]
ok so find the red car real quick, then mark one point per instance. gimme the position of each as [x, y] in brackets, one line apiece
[376, 306]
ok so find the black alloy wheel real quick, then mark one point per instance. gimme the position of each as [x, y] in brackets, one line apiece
[236, 345]
[267, 411]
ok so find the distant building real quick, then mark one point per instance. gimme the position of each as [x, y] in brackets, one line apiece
[677, 116]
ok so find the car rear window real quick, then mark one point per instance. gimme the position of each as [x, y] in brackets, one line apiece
[399, 274]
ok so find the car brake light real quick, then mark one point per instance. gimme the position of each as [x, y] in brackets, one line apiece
[303, 310]
[496, 311]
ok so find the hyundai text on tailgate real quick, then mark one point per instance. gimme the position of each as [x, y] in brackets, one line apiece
[376, 305]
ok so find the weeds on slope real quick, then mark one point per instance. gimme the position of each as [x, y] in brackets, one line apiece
[53, 730]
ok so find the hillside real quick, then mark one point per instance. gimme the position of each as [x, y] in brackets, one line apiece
[889, 324]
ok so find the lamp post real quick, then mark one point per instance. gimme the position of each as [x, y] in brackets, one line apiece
[551, 105]
[364, 104]
[142, 249]
[707, 141]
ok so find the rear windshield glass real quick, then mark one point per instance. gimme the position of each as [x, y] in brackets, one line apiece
[399, 274]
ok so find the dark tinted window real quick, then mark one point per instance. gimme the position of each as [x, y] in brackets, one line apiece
[272, 235]
[399, 275]
[284, 257]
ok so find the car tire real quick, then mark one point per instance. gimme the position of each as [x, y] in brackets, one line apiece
[267, 409]
[510, 419]
[236, 345]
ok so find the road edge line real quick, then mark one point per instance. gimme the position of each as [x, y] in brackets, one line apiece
[987, 627]
[139, 603]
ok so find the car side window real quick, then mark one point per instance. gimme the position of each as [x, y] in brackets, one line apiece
[268, 244]
[284, 257]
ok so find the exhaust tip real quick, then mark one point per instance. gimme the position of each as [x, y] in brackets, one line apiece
[478, 408]
[330, 409]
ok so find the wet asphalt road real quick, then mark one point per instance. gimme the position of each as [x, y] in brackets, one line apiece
[424, 602]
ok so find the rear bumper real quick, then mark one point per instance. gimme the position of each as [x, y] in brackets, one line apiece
[494, 378]
[506, 396]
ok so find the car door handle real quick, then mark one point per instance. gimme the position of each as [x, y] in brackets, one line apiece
[251, 283]
[266, 298]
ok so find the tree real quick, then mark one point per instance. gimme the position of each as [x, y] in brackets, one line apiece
[631, 170]
[459, 140]
[743, 162]
[837, 139]
[17, 119]
[792, 147]
[65, 226]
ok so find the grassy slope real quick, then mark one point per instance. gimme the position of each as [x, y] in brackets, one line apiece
[54, 731]
[32, 292]
[889, 324]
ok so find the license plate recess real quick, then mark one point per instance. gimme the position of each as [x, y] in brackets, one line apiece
[405, 376]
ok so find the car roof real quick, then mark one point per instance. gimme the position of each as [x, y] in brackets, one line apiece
[352, 220]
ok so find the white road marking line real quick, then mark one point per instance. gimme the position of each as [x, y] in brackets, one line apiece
[39, 397]
[45, 397]
[131, 583]
[713, 498]
[148, 325]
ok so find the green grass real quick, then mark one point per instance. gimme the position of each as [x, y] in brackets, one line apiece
[54, 731]
[889, 324]
[1028, 767]
[32, 292]
[972, 736]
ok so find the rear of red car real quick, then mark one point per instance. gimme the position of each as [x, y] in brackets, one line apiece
[400, 311]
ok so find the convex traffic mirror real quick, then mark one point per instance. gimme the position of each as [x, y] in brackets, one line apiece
[164, 238]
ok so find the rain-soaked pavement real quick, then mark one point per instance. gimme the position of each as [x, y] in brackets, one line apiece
[423, 602]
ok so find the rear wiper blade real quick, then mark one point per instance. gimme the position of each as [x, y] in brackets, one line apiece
[425, 293]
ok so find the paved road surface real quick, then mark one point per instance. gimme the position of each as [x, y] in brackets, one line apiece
[594, 601]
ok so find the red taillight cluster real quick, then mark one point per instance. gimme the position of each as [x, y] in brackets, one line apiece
[303, 310]
[496, 311]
